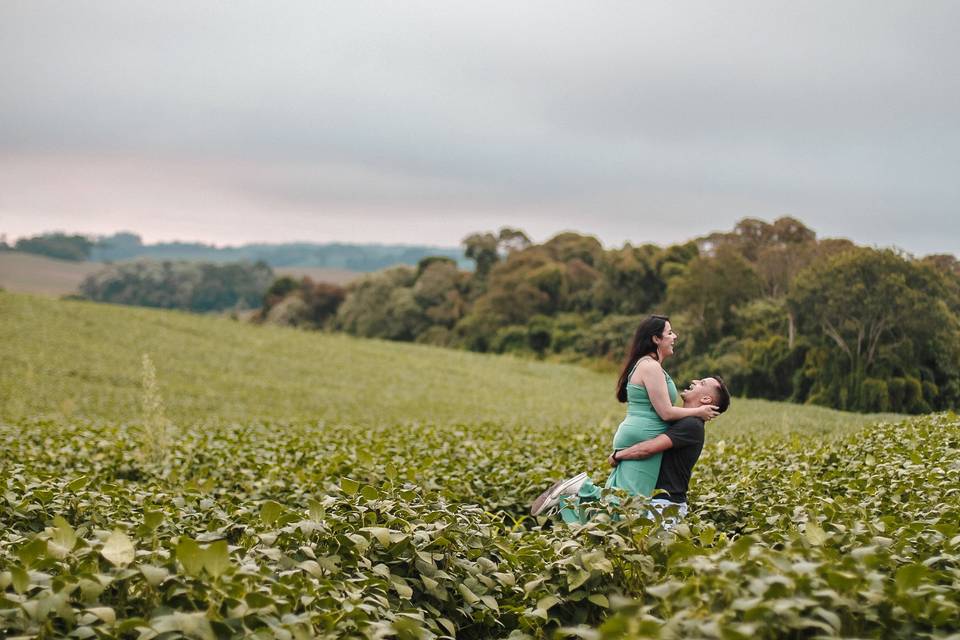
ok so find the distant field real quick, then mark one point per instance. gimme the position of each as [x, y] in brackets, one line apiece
[29, 273]
[319, 274]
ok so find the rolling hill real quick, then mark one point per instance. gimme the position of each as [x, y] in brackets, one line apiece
[85, 358]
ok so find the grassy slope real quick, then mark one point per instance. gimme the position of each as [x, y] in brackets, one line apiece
[64, 357]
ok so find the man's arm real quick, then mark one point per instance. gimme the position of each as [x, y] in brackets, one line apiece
[679, 434]
[643, 449]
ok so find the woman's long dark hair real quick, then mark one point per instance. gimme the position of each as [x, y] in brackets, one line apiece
[641, 345]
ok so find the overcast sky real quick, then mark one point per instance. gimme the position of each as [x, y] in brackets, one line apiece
[232, 122]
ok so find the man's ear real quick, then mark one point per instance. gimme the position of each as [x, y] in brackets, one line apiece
[706, 400]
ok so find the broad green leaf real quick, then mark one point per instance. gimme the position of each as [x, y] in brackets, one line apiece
[56, 551]
[707, 535]
[741, 547]
[270, 511]
[402, 588]
[105, 614]
[832, 618]
[599, 599]
[126, 625]
[491, 603]
[382, 534]
[576, 577]
[312, 567]
[348, 486]
[192, 625]
[448, 625]
[506, 579]
[486, 564]
[118, 549]
[910, 576]
[190, 555]
[152, 519]
[468, 596]
[361, 542]
[531, 585]
[216, 558]
[83, 632]
[814, 534]
[63, 533]
[20, 579]
[90, 590]
[153, 575]
[664, 590]
[546, 602]
[32, 551]
[258, 600]
[596, 561]
[78, 483]
[317, 511]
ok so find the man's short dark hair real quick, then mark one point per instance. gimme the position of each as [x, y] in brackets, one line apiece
[723, 395]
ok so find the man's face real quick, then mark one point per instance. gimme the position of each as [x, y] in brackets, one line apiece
[701, 392]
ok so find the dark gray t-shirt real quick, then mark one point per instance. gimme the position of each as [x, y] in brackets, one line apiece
[678, 461]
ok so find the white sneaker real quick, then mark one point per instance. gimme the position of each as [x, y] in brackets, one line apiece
[551, 497]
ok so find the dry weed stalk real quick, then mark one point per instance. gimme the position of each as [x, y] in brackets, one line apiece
[155, 432]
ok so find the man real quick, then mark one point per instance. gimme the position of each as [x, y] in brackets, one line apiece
[681, 445]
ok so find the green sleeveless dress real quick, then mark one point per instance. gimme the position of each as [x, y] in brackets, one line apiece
[634, 476]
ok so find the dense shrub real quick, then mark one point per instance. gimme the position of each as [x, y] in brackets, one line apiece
[875, 395]
[180, 285]
[301, 303]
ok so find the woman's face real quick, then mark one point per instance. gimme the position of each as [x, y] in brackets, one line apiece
[667, 340]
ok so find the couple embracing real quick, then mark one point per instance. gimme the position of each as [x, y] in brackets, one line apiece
[657, 445]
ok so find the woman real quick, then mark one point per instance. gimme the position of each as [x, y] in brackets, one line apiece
[650, 393]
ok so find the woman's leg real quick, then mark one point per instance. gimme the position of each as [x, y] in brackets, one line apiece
[636, 477]
[576, 509]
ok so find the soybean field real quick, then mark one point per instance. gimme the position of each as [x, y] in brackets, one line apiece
[166, 475]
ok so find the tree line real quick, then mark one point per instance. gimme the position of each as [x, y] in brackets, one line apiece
[75, 248]
[126, 246]
[778, 312]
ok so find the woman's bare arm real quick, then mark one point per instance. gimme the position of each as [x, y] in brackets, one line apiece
[651, 375]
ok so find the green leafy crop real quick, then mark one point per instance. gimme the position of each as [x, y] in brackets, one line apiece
[365, 526]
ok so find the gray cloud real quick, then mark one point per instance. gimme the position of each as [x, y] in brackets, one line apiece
[639, 121]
